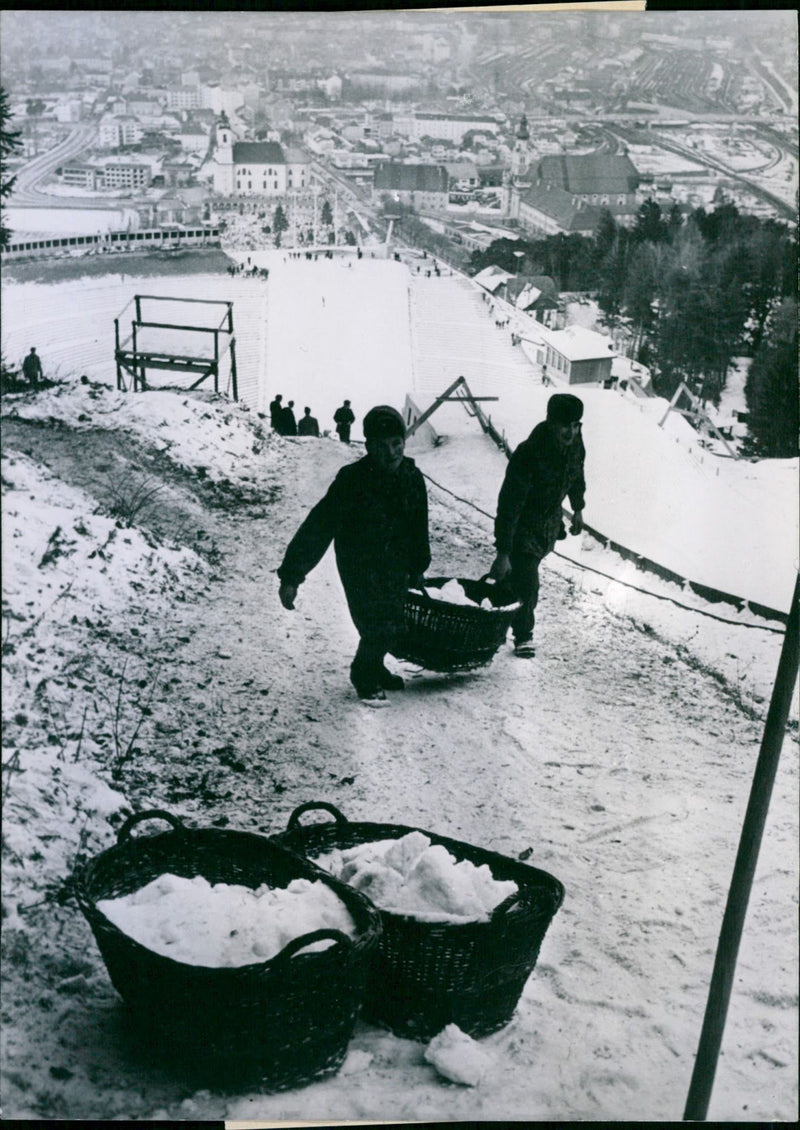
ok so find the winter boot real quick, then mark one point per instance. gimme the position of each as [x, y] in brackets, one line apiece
[388, 681]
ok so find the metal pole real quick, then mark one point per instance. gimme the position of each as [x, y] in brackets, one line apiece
[116, 354]
[234, 379]
[719, 992]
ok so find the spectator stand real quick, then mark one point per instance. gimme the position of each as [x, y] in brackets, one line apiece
[170, 346]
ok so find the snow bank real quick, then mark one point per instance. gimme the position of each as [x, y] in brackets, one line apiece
[62, 549]
[412, 876]
[223, 925]
[204, 430]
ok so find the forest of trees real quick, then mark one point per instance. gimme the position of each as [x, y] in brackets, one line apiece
[695, 293]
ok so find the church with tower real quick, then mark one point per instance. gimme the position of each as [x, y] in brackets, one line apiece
[566, 192]
[256, 168]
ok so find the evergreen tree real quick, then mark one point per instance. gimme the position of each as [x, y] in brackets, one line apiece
[327, 213]
[604, 235]
[612, 275]
[279, 224]
[649, 225]
[771, 388]
[9, 143]
[647, 266]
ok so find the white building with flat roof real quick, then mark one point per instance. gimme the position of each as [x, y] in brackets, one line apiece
[577, 355]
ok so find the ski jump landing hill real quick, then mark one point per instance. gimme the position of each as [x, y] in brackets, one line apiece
[372, 331]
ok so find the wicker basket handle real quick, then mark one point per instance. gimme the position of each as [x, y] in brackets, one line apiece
[289, 950]
[151, 814]
[507, 906]
[309, 806]
[555, 894]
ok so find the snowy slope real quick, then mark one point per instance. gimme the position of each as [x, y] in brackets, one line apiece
[382, 332]
[621, 758]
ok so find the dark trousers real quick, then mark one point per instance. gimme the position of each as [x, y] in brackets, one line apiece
[525, 583]
[343, 431]
[367, 663]
[379, 623]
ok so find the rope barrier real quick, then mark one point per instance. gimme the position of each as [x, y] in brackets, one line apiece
[609, 577]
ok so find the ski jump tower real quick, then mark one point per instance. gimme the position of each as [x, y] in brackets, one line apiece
[201, 348]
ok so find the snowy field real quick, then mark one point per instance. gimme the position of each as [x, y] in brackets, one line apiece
[622, 757]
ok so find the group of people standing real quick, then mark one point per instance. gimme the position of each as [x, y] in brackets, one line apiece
[376, 514]
[285, 423]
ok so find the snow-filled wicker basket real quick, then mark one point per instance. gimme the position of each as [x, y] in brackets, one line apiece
[442, 636]
[424, 975]
[277, 1024]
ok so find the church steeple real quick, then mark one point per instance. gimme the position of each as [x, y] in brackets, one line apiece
[520, 157]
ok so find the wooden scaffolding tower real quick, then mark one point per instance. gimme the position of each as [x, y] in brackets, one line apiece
[133, 360]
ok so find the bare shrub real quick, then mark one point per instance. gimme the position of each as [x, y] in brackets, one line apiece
[131, 496]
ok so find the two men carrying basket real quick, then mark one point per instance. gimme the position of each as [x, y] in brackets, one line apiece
[376, 514]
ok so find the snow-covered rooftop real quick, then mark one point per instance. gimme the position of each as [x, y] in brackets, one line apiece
[576, 343]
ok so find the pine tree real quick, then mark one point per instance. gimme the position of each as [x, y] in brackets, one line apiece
[771, 388]
[9, 143]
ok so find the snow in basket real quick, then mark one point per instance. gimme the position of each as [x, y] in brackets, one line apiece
[413, 877]
[225, 925]
[453, 593]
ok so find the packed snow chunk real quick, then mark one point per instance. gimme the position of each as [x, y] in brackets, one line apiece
[223, 925]
[356, 1061]
[414, 877]
[458, 1057]
[453, 593]
[404, 853]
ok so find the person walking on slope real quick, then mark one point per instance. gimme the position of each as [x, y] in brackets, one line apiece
[275, 409]
[287, 425]
[545, 469]
[376, 514]
[32, 367]
[307, 425]
[344, 419]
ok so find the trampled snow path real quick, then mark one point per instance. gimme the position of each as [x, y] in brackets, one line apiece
[625, 770]
[624, 767]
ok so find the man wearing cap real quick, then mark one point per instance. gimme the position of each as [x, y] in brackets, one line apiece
[376, 514]
[545, 469]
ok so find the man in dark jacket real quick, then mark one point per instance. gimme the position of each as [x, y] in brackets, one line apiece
[32, 367]
[307, 425]
[376, 514]
[275, 409]
[545, 469]
[344, 419]
[287, 424]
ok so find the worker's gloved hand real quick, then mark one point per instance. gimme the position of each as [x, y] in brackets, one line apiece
[577, 522]
[288, 595]
[501, 567]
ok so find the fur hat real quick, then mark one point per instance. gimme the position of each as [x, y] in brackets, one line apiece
[382, 421]
[564, 408]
